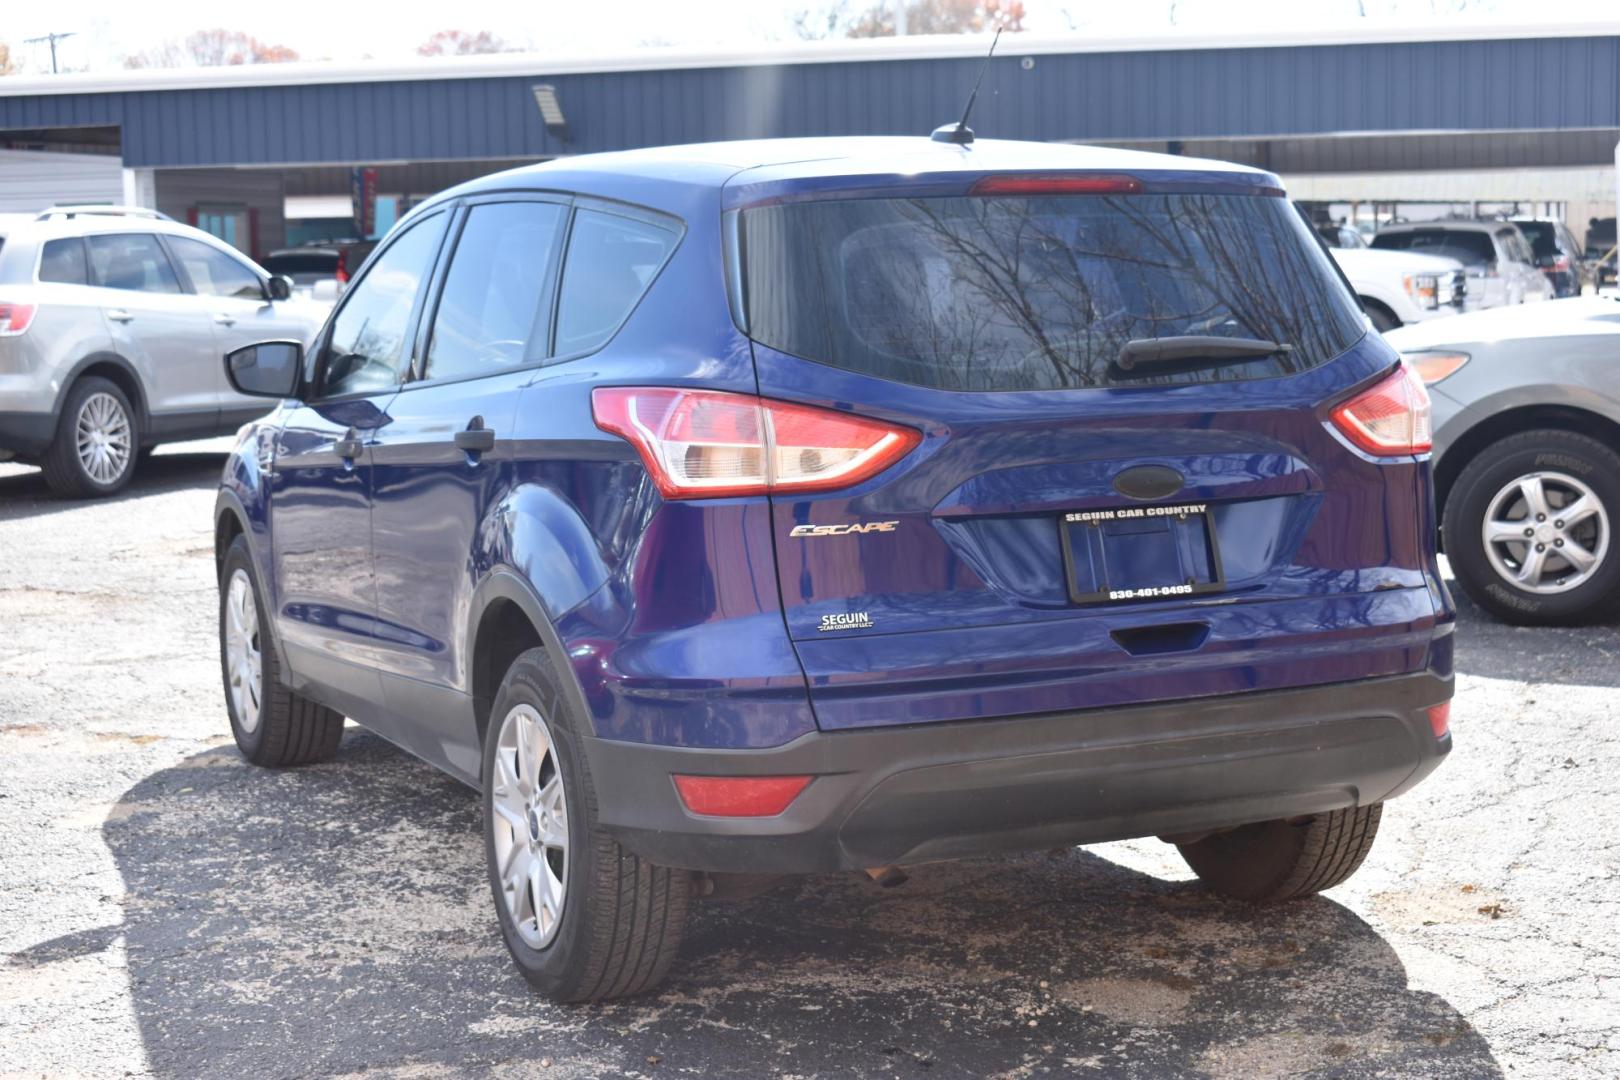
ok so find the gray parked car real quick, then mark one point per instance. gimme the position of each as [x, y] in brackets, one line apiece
[1527, 454]
[113, 323]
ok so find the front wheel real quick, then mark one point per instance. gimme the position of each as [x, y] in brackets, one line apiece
[583, 918]
[1272, 861]
[1528, 528]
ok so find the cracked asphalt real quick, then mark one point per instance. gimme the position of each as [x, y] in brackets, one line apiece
[168, 910]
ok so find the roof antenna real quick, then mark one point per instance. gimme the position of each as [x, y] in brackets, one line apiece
[959, 132]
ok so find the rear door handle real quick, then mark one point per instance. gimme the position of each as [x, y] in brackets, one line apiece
[349, 447]
[120, 315]
[477, 439]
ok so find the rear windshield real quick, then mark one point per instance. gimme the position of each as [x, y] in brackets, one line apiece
[311, 263]
[1041, 292]
[1543, 237]
[1467, 247]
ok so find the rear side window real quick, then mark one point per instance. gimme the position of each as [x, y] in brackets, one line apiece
[490, 312]
[1468, 247]
[62, 262]
[214, 273]
[133, 261]
[1042, 292]
[610, 262]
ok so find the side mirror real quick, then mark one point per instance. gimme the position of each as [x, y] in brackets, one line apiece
[268, 369]
[280, 286]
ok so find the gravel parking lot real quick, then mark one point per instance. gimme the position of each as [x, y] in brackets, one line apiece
[167, 909]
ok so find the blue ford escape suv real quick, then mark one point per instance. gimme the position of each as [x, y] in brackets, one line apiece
[801, 506]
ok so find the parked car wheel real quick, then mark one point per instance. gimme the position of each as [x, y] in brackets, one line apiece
[584, 919]
[1528, 527]
[1285, 859]
[273, 726]
[94, 450]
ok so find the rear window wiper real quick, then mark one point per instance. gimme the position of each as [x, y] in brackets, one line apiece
[1140, 355]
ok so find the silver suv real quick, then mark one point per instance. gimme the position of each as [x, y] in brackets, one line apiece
[113, 323]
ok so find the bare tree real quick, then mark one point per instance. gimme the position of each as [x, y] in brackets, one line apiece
[884, 17]
[211, 48]
[465, 43]
[7, 67]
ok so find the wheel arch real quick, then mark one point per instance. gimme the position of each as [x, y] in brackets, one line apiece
[117, 370]
[506, 619]
[1499, 425]
[1369, 302]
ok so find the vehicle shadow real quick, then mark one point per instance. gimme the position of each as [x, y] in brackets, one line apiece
[23, 493]
[1566, 655]
[336, 919]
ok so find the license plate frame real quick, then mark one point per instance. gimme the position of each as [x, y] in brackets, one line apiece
[1090, 536]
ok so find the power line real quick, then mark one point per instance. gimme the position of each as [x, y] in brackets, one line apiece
[53, 39]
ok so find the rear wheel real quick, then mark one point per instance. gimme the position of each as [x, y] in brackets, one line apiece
[1528, 528]
[94, 450]
[584, 919]
[1272, 861]
[273, 726]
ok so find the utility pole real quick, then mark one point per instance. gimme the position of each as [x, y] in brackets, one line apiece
[53, 39]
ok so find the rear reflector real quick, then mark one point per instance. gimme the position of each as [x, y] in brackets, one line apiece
[739, 796]
[1440, 718]
[1391, 417]
[1057, 185]
[14, 318]
[701, 444]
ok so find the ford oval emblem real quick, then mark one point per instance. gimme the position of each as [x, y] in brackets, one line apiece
[1148, 482]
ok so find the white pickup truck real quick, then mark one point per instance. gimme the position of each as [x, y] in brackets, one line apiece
[1398, 287]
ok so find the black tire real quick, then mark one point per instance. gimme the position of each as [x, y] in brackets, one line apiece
[622, 918]
[1273, 861]
[290, 729]
[64, 472]
[1383, 319]
[1499, 464]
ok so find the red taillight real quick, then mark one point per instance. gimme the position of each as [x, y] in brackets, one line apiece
[1391, 417]
[707, 443]
[1561, 264]
[1440, 718]
[739, 796]
[1100, 184]
[14, 318]
[342, 274]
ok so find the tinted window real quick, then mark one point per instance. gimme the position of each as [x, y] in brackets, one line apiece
[490, 312]
[611, 261]
[367, 351]
[1039, 293]
[314, 262]
[214, 273]
[1467, 247]
[131, 261]
[1543, 237]
[62, 261]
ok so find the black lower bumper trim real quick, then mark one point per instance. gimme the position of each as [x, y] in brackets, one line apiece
[26, 434]
[940, 791]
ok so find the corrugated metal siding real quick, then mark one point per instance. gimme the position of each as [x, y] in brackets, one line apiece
[31, 181]
[1542, 84]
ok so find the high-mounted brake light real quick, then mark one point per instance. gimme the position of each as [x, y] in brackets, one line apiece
[1390, 417]
[1100, 184]
[704, 444]
[14, 318]
[739, 796]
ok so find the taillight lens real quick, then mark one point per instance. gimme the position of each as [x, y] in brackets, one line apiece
[739, 796]
[701, 444]
[1390, 417]
[14, 318]
[1440, 719]
[1431, 367]
[342, 274]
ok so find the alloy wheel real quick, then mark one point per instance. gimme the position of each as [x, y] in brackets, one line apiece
[530, 823]
[244, 658]
[1546, 532]
[103, 438]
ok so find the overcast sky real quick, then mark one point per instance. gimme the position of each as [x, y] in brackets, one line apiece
[323, 29]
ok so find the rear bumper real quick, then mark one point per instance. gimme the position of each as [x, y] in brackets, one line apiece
[26, 433]
[941, 791]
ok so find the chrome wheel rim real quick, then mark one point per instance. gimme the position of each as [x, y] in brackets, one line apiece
[102, 438]
[1546, 532]
[244, 662]
[530, 823]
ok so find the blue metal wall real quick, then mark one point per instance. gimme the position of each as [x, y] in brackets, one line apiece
[1541, 84]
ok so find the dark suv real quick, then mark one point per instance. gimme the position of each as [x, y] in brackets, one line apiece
[802, 506]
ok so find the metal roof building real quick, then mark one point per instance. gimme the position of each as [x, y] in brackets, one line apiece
[1459, 96]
